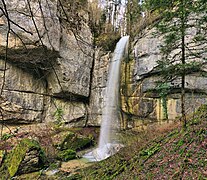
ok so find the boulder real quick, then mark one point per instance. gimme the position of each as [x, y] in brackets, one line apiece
[26, 157]
[29, 176]
[66, 155]
[75, 142]
[68, 143]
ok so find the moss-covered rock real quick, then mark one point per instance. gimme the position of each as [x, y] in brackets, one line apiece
[4, 174]
[2, 155]
[67, 155]
[75, 142]
[30, 176]
[26, 157]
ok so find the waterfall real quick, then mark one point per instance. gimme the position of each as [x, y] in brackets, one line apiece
[110, 117]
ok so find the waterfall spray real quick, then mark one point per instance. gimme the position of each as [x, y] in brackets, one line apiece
[110, 123]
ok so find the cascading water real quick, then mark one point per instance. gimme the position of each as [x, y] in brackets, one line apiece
[110, 118]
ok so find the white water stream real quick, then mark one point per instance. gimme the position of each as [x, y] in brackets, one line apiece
[110, 117]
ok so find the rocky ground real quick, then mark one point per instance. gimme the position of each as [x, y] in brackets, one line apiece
[43, 150]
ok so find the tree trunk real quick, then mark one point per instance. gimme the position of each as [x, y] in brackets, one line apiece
[183, 63]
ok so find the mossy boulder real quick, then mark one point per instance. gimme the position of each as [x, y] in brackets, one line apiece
[75, 142]
[26, 157]
[67, 155]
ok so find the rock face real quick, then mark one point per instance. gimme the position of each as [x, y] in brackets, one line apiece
[22, 98]
[142, 101]
[31, 20]
[48, 63]
[74, 67]
[98, 88]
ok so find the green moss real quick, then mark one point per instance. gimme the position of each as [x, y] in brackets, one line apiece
[75, 142]
[2, 154]
[67, 155]
[150, 151]
[4, 174]
[30, 176]
[6, 136]
[16, 156]
[3, 169]
[200, 114]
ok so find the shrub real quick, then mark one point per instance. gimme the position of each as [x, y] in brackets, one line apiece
[108, 40]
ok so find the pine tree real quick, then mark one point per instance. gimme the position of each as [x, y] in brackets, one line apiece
[183, 52]
[134, 15]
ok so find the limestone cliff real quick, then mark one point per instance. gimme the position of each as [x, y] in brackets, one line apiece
[47, 64]
[142, 99]
[98, 88]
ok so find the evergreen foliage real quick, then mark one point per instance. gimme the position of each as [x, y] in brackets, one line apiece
[134, 15]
